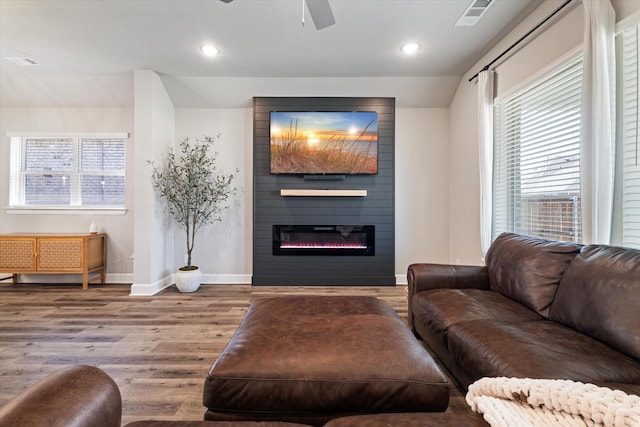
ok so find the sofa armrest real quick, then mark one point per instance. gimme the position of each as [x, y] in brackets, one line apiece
[74, 396]
[422, 277]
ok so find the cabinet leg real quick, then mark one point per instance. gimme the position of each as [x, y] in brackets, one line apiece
[85, 281]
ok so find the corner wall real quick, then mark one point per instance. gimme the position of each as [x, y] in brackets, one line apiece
[223, 250]
[119, 227]
[153, 234]
[550, 43]
[422, 188]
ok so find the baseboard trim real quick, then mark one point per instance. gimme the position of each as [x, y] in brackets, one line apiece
[401, 279]
[119, 278]
[149, 289]
[71, 278]
[226, 279]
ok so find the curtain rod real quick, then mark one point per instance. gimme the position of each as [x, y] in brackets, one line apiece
[507, 50]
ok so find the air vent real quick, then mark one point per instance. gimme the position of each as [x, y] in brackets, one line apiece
[22, 61]
[474, 12]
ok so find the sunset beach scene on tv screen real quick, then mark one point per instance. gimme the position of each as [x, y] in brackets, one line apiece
[323, 142]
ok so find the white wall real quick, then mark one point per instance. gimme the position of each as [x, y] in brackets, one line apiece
[223, 250]
[421, 187]
[435, 164]
[463, 178]
[564, 36]
[553, 42]
[61, 120]
[154, 134]
[625, 8]
[464, 203]
[437, 185]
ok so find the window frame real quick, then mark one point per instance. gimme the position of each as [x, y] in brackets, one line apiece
[16, 185]
[508, 217]
[626, 224]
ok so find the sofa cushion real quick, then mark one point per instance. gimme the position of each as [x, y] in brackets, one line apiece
[536, 349]
[435, 310]
[598, 296]
[442, 308]
[528, 269]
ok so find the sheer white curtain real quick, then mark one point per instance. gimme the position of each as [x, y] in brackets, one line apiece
[485, 133]
[597, 139]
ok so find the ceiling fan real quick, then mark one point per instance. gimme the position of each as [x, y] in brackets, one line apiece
[320, 12]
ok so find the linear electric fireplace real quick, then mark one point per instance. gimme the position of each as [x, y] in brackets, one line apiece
[321, 253]
[350, 240]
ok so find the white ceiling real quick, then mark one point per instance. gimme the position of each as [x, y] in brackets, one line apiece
[88, 49]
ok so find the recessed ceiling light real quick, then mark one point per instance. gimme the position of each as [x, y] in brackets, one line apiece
[410, 48]
[209, 50]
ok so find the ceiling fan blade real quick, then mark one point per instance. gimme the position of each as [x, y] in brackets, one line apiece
[320, 12]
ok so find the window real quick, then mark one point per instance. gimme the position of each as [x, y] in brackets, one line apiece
[628, 136]
[84, 171]
[537, 157]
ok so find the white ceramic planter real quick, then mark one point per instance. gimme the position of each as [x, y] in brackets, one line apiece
[188, 281]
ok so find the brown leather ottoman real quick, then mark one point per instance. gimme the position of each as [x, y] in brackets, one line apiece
[309, 359]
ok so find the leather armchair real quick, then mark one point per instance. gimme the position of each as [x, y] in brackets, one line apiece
[75, 396]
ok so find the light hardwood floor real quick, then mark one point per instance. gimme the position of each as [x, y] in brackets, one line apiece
[158, 349]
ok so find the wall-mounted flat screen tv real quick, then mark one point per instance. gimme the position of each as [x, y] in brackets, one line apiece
[312, 142]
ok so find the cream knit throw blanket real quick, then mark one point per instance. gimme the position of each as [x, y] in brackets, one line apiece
[524, 402]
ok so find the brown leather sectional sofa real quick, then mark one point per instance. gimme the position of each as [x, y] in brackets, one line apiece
[538, 309]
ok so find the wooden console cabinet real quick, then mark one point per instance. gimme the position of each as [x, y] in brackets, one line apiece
[54, 254]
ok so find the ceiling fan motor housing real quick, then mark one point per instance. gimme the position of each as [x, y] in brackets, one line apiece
[320, 11]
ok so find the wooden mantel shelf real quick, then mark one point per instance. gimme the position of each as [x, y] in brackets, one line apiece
[322, 193]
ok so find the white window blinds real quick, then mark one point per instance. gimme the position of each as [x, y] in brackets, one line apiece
[537, 157]
[628, 139]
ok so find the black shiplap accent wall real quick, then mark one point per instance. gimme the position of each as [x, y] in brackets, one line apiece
[270, 208]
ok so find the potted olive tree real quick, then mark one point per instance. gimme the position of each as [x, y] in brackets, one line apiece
[195, 195]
